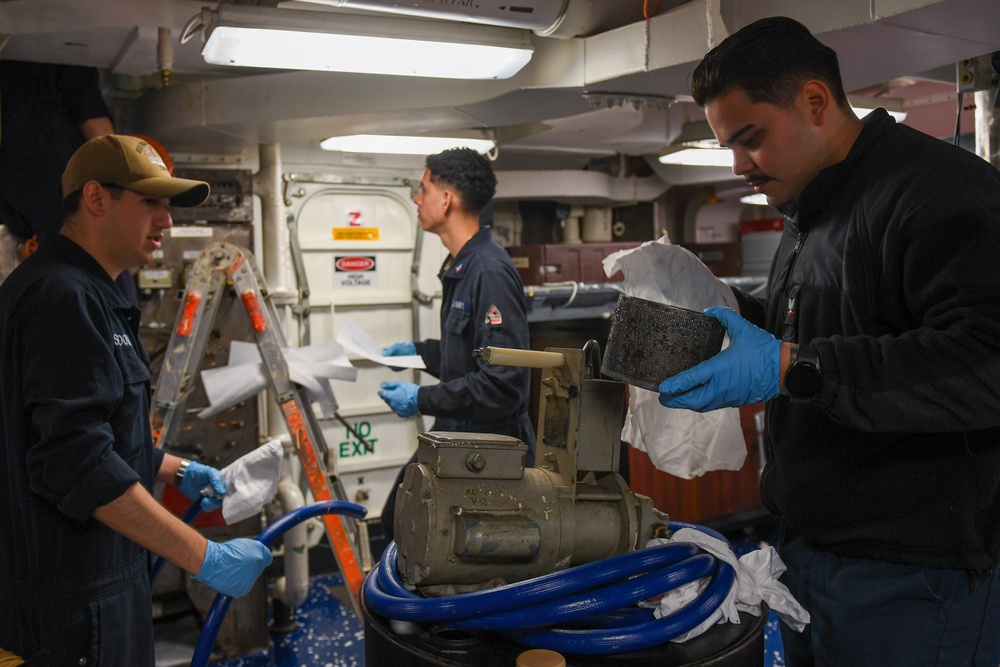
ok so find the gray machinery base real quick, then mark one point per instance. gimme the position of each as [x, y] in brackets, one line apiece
[404, 644]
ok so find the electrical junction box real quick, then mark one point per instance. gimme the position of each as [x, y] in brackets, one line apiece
[974, 74]
[158, 278]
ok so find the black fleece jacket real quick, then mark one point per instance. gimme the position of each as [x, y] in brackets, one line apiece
[889, 268]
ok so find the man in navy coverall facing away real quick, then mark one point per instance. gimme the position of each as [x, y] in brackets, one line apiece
[482, 305]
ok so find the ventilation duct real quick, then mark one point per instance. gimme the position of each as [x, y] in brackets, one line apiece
[547, 18]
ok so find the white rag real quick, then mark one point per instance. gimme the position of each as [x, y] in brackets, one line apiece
[756, 580]
[679, 442]
[251, 482]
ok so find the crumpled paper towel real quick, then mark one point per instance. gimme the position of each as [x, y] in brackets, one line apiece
[251, 482]
[679, 442]
[756, 580]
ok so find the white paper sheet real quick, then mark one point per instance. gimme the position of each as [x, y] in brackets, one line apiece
[358, 341]
[312, 367]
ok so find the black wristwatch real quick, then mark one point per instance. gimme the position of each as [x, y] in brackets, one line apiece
[803, 378]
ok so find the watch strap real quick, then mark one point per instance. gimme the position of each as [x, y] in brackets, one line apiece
[803, 378]
[181, 469]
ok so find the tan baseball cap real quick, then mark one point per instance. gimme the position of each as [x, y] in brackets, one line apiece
[131, 163]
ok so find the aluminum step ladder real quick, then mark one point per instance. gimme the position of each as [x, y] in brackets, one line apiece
[220, 266]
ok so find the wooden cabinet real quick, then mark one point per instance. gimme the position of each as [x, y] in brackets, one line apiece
[717, 496]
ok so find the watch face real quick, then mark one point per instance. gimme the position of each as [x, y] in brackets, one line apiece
[803, 380]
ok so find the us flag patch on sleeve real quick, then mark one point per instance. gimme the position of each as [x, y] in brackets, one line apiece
[493, 316]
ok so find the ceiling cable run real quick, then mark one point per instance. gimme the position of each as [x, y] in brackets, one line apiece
[611, 100]
[648, 13]
[543, 16]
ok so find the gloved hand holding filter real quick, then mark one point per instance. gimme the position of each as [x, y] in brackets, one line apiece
[743, 373]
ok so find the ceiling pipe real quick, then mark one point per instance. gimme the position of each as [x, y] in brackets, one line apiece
[988, 116]
[547, 18]
[164, 54]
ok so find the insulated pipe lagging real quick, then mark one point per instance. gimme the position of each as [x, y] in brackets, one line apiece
[598, 595]
[268, 186]
[293, 588]
[217, 612]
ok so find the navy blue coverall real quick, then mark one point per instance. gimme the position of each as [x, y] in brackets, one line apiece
[74, 435]
[482, 305]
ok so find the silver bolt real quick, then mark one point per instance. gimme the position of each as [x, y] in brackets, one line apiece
[475, 462]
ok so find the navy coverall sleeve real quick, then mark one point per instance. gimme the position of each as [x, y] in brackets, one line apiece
[486, 392]
[71, 386]
[430, 351]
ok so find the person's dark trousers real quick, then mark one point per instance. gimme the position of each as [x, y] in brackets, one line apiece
[869, 612]
[113, 628]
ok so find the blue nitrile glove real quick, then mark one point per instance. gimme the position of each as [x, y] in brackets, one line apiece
[743, 373]
[401, 397]
[232, 567]
[399, 350]
[197, 477]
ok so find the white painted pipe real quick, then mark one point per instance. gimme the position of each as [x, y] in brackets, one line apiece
[268, 186]
[293, 588]
[988, 125]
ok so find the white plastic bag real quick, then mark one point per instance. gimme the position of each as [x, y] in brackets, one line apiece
[680, 442]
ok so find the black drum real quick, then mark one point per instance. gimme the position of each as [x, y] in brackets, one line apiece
[390, 643]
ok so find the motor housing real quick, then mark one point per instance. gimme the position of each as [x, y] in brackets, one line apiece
[471, 516]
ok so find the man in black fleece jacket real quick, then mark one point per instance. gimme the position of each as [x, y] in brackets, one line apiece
[878, 351]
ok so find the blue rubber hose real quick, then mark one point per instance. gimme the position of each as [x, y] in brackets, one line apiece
[217, 612]
[395, 601]
[188, 518]
[591, 603]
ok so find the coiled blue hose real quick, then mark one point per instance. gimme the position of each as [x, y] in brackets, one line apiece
[213, 621]
[585, 597]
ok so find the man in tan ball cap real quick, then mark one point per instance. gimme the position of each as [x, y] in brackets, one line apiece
[77, 464]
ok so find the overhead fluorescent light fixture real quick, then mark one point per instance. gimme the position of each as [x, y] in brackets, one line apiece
[323, 41]
[865, 104]
[861, 112]
[696, 146]
[401, 145]
[697, 157]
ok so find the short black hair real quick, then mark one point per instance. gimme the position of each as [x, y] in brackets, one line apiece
[768, 60]
[468, 173]
[72, 201]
